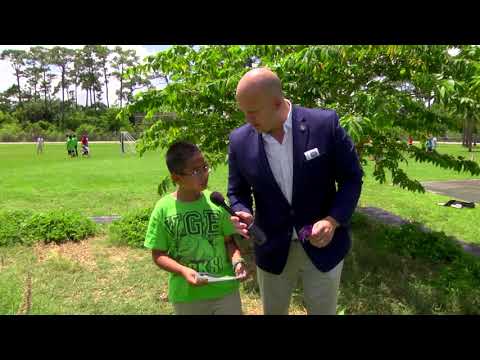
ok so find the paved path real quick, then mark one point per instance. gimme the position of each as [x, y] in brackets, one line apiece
[467, 190]
[105, 219]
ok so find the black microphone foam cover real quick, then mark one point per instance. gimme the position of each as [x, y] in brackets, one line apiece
[217, 198]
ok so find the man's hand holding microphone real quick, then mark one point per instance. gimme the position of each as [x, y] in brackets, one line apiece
[242, 220]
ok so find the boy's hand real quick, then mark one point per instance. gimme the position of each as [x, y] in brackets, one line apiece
[241, 271]
[191, 276]
[241, 222]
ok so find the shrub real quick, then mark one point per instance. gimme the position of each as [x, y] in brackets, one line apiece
[12, 132]
[131, 229]
[12, 227]
[412, 241]
[59, 226]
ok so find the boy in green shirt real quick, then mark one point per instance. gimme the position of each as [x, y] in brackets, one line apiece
[188, 235]
[69, 145]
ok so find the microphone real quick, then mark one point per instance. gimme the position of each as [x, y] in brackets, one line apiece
[258, 235]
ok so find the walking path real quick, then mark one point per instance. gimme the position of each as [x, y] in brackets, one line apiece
[467, 190]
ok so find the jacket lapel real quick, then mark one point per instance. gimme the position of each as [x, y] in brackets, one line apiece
[300, 139]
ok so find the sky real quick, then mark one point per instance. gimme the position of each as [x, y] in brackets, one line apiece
[8, 79]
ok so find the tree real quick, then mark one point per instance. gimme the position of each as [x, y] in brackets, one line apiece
[33, 74]
[42, 56]
[120, 62]
[17, 61]
[102, 53]
[74, 75]
[62, 57]
[460, 91]
[381, 93]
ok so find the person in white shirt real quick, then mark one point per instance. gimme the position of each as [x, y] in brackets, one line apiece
[305, 177]
[40, 142]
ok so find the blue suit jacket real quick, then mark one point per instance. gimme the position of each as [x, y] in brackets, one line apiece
[329, 184]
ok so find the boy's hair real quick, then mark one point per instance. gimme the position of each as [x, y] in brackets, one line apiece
[178, 154]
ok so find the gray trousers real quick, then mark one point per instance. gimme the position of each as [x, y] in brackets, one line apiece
[320, 289]
[227, 305]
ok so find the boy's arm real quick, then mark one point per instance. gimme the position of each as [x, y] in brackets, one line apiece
[165, 262]
[235, 256]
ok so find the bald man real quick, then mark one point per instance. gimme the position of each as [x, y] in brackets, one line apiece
[303, 172]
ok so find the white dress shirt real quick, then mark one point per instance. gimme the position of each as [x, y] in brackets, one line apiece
[280, 158]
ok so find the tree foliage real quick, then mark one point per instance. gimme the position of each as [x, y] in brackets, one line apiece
[381, 93]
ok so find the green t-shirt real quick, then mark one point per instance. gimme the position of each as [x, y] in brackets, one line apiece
[193, 233]
[70, 144]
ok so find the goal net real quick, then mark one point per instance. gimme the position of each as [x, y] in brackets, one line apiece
[127, 143]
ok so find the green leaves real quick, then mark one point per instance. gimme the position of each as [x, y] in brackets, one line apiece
[58, 226]
[381, 93]
[131, 229]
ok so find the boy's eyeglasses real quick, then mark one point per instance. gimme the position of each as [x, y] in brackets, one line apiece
[200, 171]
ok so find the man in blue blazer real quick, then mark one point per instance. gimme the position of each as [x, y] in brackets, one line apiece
[302, 169]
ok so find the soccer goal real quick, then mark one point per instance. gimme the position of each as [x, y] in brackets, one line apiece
[127, 143]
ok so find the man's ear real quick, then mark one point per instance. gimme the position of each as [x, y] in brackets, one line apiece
[277, 102]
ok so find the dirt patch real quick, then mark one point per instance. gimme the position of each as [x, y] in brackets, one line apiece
[253, 306]
[26, 304]
[80, 252]
[120, 255]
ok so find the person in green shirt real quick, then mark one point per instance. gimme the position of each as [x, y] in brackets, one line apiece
[188, 235]
[70, 146]
[75, 144]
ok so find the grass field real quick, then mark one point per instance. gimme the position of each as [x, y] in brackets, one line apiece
[109, 183]
[94, 277]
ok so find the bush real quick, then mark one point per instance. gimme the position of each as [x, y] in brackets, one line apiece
[131, 229]
[6, 118]
[410, 240]
[90, 130]
[12, 227]
[12, 132]
[59, 226]
[458, 271]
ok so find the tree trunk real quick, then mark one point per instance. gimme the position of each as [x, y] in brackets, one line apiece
[86, 98]
[106, 85]
[19, 90]
[470, 135]
[45, 93]
[63, 96]
[121, 86]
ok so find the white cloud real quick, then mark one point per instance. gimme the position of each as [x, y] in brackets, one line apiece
[8, 79]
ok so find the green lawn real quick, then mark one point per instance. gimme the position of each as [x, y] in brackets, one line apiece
[423, 208]
[94, 277]
[109, 183]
